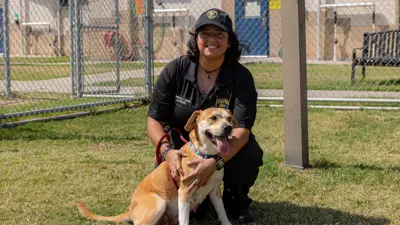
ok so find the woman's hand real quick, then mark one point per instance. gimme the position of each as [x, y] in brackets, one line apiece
[174, 160]
[204, 169]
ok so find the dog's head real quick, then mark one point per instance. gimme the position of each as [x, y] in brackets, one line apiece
[212, 127]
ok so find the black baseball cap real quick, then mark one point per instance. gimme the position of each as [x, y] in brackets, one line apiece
[215, 17]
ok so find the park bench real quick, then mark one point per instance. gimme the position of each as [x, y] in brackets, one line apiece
[378, 49]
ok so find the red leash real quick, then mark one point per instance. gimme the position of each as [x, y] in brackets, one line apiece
[158, 157]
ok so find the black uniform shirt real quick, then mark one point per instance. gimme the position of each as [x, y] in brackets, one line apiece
[176, 94]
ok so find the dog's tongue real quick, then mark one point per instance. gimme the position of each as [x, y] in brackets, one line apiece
[223, 145]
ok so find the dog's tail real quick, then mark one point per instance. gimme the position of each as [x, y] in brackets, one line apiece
[83, 209]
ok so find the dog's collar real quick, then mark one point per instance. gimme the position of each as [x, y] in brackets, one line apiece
[202, 155]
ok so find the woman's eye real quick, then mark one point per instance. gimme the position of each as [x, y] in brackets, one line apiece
[220, 34]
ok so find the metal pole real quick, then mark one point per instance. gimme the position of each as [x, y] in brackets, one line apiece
[59, 30]
[117, 42]
[71, 46]
[6, 43]
[21, 28]
[295, 83]
[79, 84]
[319, 30]
[334, 34]
[373, 30]
[148, 46]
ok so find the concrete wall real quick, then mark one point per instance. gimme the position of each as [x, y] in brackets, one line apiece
[352, 23]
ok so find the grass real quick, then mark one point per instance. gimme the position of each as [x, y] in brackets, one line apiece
[23, 102]
[47, 167]
[125, 83]
[267, 76]
[319, 77]
[329, 77]
[36, 69]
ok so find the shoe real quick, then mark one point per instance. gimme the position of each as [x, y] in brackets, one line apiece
[246, 216]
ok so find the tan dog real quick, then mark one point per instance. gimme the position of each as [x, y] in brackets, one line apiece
[156, 200]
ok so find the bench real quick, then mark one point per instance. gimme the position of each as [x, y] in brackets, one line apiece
[378, 49]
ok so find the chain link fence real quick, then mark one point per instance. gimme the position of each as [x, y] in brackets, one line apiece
[67, 54]
[335, 29]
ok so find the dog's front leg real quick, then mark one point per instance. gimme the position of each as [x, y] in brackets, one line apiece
[183, 205]
[216, 199]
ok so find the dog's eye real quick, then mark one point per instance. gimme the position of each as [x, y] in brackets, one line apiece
[213, 118]
[229, 119]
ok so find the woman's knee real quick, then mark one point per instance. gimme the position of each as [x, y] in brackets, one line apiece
[245, 165]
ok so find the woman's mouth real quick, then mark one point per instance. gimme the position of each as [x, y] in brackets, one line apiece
[212, 46]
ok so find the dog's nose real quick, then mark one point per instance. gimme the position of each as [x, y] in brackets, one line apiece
[227, 128]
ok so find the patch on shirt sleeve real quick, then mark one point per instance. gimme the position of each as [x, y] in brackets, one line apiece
[222, 103]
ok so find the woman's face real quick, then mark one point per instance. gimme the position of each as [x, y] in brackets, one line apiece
[212, 42]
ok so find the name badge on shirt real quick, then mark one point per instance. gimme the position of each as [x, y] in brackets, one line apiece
[222, 103]
[182, 101]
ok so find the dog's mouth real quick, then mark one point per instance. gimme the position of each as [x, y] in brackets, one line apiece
[220, 142]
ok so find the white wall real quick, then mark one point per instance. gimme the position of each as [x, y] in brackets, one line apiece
[361, 16]
[196, 7]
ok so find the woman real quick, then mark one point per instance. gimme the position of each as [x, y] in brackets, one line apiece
[210, 76]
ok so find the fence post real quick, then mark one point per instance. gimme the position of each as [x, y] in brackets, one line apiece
[6, 42]
[295, 83]
[117, 42]
[71, 46]
[78, 49]
[148, 46]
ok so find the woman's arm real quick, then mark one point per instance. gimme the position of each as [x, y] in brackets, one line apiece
[156, 131]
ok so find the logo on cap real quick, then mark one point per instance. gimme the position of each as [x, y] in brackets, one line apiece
[222, 103]
[212, 14]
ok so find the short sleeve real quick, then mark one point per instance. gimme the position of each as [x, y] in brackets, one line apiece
[163, 95]
[246, 100]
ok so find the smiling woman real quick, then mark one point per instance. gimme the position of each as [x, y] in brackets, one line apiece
[210, 75]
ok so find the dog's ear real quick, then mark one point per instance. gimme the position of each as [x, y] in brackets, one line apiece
[234, 122]
[191, 123]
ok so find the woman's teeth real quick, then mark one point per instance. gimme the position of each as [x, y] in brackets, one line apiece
[212, 46]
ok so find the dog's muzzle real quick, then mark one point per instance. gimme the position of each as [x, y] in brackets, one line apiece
[221, 141]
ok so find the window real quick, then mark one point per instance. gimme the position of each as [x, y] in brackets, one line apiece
[252, 8]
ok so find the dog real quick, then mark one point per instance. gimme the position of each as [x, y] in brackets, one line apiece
[157, 200]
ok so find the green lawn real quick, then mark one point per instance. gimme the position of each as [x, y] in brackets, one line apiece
[267, 75]
[47, 167]
[44, 68]
[330, 77]
[319, 77]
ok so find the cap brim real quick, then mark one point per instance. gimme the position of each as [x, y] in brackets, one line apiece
[211, 22]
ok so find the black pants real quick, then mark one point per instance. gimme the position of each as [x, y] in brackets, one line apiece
[240, 173]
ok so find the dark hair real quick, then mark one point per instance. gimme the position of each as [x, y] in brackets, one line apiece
[232, 54]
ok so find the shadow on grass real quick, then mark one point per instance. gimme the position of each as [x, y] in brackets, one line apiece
[288, 213]
[325, 164]
[28, 133]
[385, 82]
